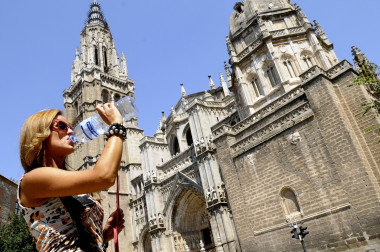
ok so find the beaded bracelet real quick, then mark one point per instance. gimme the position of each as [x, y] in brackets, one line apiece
[116, 129]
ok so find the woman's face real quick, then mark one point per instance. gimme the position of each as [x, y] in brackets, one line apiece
[59, 143]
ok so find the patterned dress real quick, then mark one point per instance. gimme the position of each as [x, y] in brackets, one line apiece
[54, 229]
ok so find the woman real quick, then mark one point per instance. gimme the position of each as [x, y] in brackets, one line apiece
[55, 202]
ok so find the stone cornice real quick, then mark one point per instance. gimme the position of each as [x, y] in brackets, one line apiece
[115, 79]
[208, 105]
[148, 141]
[299, 114]
[264, 112]
[178, 162]
[306, 77]
[331, 73]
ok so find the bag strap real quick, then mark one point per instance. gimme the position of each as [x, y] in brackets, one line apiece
[115, 231]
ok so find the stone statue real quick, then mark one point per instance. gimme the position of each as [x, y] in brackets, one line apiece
[208, 195]
[213, 193]
[222, 194]
[160, 218]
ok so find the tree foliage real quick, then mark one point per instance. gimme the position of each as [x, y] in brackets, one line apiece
[369, 77]
[15, 235]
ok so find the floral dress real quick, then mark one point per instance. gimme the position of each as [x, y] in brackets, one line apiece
[54, 229]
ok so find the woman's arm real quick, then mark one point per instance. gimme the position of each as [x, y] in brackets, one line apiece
[48, 182]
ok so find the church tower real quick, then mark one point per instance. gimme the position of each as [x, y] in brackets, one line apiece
[271, 43]
[98, 74]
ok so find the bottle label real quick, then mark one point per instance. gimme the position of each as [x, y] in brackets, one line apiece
[89, 130]
[84, 132]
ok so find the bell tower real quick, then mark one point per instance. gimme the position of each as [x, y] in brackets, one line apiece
[98, 66]
[271, 43]
[97, 74]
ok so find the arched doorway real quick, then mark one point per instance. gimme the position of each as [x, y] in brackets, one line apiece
[147, 243]
[190, 222]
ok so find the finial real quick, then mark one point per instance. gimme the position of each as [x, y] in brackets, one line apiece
[183, 91]
[223, 84]
[361, 61]
[230, 49]
[124, 69]
[319, 28]
[228, 73]
[212, 84]
[163, 116]
[77, 53]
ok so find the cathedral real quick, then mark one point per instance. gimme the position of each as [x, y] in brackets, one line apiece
[280, 142]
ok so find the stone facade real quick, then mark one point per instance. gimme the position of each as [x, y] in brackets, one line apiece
[8, 199]
[231, 171]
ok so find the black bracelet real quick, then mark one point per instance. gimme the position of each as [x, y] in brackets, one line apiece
[116, 129]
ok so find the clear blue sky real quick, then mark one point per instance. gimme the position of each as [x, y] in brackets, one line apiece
[165, 43]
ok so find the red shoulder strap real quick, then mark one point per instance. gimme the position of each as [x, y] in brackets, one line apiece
[115, 233]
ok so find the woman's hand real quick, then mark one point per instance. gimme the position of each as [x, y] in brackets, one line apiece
[109, 113]
[111, 222]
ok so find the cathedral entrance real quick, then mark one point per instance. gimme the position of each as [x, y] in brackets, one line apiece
[190, 223]
[147, 243]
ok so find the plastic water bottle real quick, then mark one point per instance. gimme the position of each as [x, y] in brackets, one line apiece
[94, 126]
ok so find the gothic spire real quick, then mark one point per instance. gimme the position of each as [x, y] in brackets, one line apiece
[224, 84]
[212, 84]
[228, 73]
[95, 15]
[183, 91]
[123, 61]
[362, 64]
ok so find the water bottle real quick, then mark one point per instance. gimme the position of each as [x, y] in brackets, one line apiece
[94, 126]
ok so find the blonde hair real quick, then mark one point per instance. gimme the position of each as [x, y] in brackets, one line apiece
[33, 134]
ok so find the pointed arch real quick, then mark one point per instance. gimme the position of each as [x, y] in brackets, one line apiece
[174, 145]
[271, 73]
[146, 240]
[105, 96]
[187, 135]
[105, 61]
[187, 217]
[307, 59]
[96, 55]
[256, 84]
[289, 65]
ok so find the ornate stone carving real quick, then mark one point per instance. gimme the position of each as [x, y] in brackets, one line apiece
[295, 138]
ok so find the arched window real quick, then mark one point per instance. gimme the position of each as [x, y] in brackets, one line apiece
[257, 86]
[289, 67]
[189, 137]
[96, 55]
[289, 201]
[175, 146]
[76, 108]
[272, 75]
[307, 59]
[105, 96]
[116, 97]
[105, 57]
